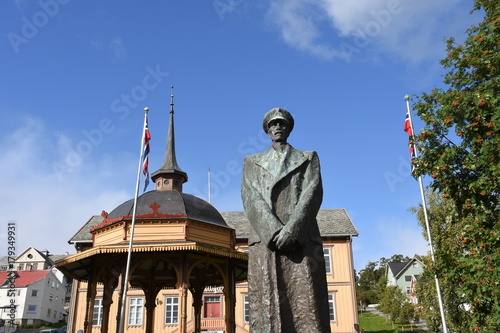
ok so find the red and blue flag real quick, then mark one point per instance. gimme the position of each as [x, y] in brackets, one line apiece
[145, 153]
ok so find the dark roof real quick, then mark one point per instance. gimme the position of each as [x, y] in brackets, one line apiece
[161, 204]
[83, 235]
[335, 222]
[56, 257]
[396, 267]
[4, 260]
[169, 165]
[331, 222]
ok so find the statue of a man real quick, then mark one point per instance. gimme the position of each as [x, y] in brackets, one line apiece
[282, 193]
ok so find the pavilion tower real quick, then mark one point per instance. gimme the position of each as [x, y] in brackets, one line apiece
[170, 177]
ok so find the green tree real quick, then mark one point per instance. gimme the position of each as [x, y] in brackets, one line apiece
[371, 280]
[445, 235]
[406, 313]
[396, 305]
[460, 149]
[367, 281]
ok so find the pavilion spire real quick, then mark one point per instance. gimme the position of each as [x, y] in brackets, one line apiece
[170, 176]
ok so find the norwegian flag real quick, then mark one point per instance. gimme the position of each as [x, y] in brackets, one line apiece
[145, 152]
[409, 130]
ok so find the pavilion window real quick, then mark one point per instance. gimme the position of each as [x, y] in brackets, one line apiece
[212, 307]
[98, 311]
[171, 310]
[135, 312]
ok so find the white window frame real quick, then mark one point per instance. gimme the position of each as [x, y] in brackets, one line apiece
[97, 312]
[135, 311]
[246, 309]
[171, 307]
[331, 307]
[327, 252]
[32, 308]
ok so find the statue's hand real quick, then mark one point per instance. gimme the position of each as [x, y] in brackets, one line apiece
[286, 242]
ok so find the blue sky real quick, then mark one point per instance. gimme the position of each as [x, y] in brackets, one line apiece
[75, 77]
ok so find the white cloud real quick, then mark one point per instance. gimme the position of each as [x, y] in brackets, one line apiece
[49, 211]
[410, 30]
[296, 21]
[350, 16]
[402, 236]
[115, 46]
[385, 237]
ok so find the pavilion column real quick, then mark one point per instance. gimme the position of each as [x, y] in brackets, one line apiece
[230, 298]
[107, 300]
[150, 304]
[121, 282]
[89, 312]
[183, 291]
[197, 292]
[75, 297]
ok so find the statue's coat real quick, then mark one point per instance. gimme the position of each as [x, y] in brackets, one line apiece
[287, 290]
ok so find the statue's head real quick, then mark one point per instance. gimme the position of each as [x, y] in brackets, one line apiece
[277, 113]
[278, 123]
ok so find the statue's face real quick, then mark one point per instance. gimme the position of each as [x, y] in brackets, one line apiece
[278, 130]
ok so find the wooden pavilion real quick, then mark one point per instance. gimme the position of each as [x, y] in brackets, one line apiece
[180, 243]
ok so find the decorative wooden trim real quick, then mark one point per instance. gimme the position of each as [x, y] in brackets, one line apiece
[152, 215]
[122, 248]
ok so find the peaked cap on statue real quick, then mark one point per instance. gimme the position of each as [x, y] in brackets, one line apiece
[277, 113]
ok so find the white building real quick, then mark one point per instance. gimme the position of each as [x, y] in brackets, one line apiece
[33, 292]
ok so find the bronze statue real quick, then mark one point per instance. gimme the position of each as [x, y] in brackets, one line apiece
[282, 193]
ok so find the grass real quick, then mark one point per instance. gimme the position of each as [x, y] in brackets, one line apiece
[372, 323]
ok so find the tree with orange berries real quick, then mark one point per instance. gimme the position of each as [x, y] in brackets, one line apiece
[459, 148]
[445, 235]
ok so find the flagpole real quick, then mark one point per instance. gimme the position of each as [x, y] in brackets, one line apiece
[424, 206]
[208, 187]
[127, 269]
